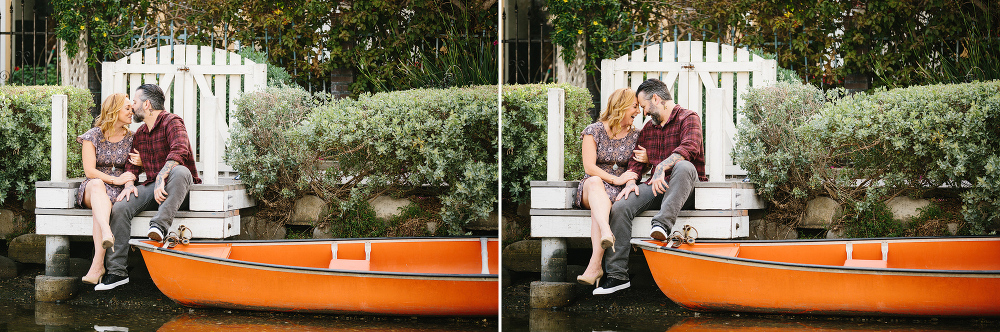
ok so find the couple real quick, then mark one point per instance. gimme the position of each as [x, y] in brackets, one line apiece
[157, 147]
[615, 156]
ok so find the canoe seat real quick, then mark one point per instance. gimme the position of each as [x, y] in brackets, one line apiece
[871, 263]
[351, 264]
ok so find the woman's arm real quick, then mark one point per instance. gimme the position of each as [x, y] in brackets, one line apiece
[89, 156]
[589, 155]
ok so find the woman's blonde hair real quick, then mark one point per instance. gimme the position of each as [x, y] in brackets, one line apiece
[618, 104]
[109, 114]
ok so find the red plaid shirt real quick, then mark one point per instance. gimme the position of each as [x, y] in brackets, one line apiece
[167, 141]
[681, 135]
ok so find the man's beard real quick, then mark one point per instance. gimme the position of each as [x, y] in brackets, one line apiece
[137, 117]
[655, 114]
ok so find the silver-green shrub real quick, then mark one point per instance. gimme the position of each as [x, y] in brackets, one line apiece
[525, 108]
[25, 135]
[863, 149]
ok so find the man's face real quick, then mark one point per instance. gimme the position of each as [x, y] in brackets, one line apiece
[138, 106]
[651, 107]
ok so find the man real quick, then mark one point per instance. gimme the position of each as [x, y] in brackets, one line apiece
[673, 146]
[162, 144]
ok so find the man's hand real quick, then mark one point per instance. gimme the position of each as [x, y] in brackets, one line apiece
[134, 159]
[160, 193]
[659, 181]
[625, 178]
[639, 154]
[129, 189]
[630, 186]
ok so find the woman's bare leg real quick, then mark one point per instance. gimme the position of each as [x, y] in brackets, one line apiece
[96, 197]
[595, 197]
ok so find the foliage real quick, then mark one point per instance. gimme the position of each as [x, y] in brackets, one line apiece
[460, 61]
[777, 156]
[36, 75]
[893, 40]
[106, 24]
[25, 135]
[276, 76]
[525, 109]
[264, 153]
[348, 151]
[864, 149]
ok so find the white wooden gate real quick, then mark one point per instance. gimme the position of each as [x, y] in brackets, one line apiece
[201, 85]
[687, 67]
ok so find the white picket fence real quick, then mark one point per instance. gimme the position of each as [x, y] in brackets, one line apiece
[705, 77]
[201, 85]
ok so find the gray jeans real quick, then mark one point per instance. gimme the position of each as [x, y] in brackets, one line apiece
[178, 184]
[682, 179]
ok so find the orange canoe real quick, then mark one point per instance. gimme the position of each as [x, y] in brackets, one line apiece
[404, 276]
[957, 276]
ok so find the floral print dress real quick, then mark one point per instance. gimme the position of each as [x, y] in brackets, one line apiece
[111, 159]
[612, 157]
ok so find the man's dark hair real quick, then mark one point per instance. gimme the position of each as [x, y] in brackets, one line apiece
[652, 87]
[153, 94]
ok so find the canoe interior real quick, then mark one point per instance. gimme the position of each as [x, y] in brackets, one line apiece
[444, 256]
[926, 254]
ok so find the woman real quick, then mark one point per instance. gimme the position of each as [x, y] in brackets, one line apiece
[105, 151]
[607, 148]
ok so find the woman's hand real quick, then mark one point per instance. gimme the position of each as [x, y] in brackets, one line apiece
[134, 159]
[123, 179]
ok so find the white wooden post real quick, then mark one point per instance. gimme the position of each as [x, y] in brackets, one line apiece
[58, 157]
[715, 153]
[556, 131]
[209, 137]
[607, 81]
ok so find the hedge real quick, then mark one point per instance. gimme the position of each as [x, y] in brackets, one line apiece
[525, 110]
[863, 149]
[441, 140]
[25, 135]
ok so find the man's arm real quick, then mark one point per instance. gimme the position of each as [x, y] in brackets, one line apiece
[691, 138]
[658, 181]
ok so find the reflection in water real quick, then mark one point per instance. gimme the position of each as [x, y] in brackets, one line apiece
[215, 321]
[55, 317]
[558, 320]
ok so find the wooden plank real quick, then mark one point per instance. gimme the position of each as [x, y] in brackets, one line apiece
[55, 198]
[742, 77]
[208, 69]
[151, 58]
[166, 54]
[201, 228]
[714, 135]
[579, 227]
[221, 130]
[607, 81]
[636, 77]
[134, 79]
[552, 198]
[220, 200]
[235, 90]
[58, 132]
[733, 67]
[683, 92]
[177, 92]
[191, 96]
[555, 131]
[695, 100]
[107, 80]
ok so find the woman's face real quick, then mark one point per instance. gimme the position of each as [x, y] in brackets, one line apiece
[125, 113]
[632, 112]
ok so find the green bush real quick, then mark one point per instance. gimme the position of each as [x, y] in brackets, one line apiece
[25, 135]
[261, 149]
[863, 149]
[347, 151]
[525, 109]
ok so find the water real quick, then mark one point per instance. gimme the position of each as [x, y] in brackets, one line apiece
[686, 321]
[64, 317]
